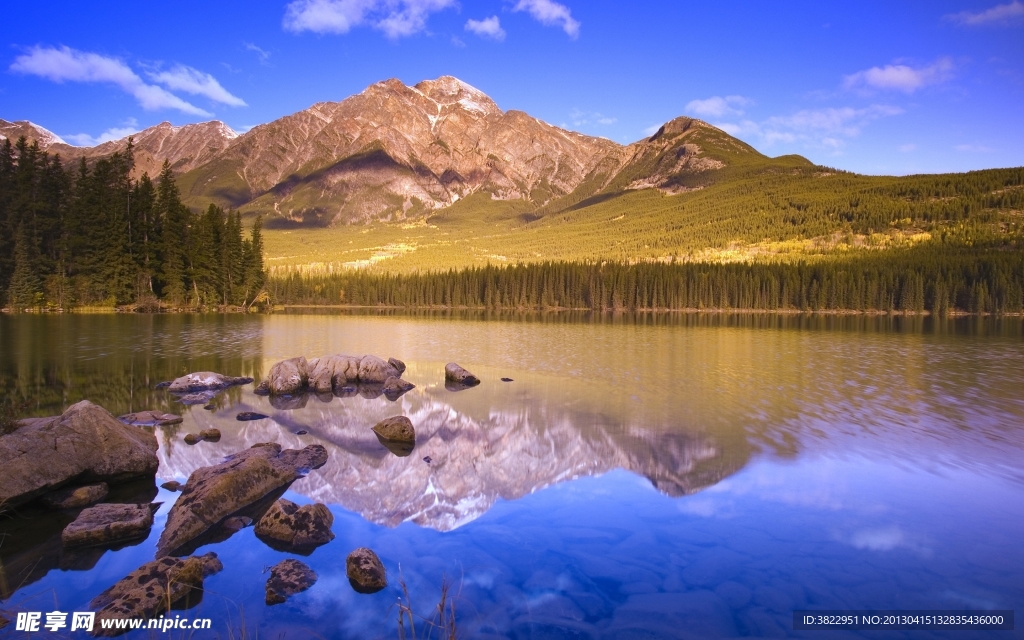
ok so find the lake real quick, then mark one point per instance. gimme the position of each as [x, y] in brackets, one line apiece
[652, 476]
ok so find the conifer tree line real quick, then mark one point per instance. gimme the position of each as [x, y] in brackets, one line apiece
[94, 236]
[942, 278]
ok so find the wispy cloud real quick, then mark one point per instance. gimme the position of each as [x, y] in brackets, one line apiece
[973, 148]
[900, 77]
[262, 54]
[130, 127]
[189, 80]
[486, 28]
[828, 128]
[63, 64]
[550, 13]
[396, 18]
[718, 106]
[581, 118]
[1001, 14]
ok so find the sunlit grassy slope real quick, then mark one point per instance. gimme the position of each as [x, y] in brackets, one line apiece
[751, 210]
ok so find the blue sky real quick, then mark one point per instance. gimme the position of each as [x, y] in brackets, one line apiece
[873, 87]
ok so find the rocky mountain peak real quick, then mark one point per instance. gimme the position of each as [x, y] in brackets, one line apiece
[449, 90]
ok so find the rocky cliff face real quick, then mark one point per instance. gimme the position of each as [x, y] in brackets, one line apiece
[395, 151]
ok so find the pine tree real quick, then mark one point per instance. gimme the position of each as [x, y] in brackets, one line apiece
[24, 291]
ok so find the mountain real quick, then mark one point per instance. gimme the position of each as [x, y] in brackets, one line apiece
[393, 152]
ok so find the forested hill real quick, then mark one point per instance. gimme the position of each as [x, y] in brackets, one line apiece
[90, 235]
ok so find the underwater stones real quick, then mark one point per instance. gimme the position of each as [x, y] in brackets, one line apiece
[75, 497]
[365, 571]
[150, 419]
[204, 381]
[237, 523]
[247, 416]
[507, 380]
[216, 492]
[172, 485]
[394, 387]
[84, 444]
[210, 435]
[109, 524]
[287, 578]
[290, 525]
[147, 591]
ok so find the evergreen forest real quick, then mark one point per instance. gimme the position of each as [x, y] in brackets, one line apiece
[91, 235]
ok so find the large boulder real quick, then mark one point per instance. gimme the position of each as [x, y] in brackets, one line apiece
[84, 444]
[286, 525]
[287, 376]
[374, 370]
[153, 588]
[204, 381]
[287, 578]
[109, 524]
[214, 493]
[365, 571]
[332, 372]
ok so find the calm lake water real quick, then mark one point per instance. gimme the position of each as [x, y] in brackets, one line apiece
[641, 477]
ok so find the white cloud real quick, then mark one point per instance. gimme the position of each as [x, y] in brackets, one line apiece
[550, 13]
[262, 54]
[651, 130]
[822, 128]
[999, 14]
[974, 148]
[581, 118]
[718, 106]
[114, 133]
[65, 64]
[486, 28]
[396, 18]
[189, 80]
[900, 77]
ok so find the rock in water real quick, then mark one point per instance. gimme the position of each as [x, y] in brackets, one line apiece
[150, 419]
[294, 526]
[288, 376]
[214, 493]
[455, 373]
[210, 435]
[250, 415]
[329, 372]
[396, 429]
[204, 381]
[365, 571]
[147, 591]
[192, 438]
[84, 444]
[397, 364]
[172, 485]
[287, 578]
[506, 380]
[109, 524]
[395, 387]
[75, 497]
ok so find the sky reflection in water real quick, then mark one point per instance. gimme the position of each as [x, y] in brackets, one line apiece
[689, 477]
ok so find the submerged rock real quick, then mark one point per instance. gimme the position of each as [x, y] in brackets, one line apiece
[204, 381]
[365, 571]
[250, 415]
[506, 380]
[219, 491]
[172, 485]
[199, 397]
[290, 525]
[153, 588]
[287, 578]
[75, 497]
[84, 444]
[109, 524]
[210, 435]
[455, 373]
[150, 419]
[237, 523]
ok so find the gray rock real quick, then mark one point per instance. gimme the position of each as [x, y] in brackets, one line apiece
[365, 571]
[75, 497]
[204, 381]
[396, 429]
[199, 397]
[289, 524]
[397, 364]
[192, 438]
[331, 372]
[150, 419]
[287, 578]
[149, 590]
[285, 377]
[375, 370]
[172, 485]
[210, 435]
[245, 416]
[219, 491]
[84, 444]
[237, 523]
[394, 387]
[455, 373]
[106, 524]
